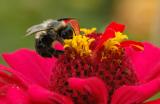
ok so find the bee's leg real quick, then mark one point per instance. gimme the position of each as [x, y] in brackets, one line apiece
[60, 40]
[56, 53]
[59, 52]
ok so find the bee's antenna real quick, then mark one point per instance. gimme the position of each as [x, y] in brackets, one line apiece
[65, 18]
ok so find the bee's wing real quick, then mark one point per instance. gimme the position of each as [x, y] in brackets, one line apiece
[40, 27]
[36, 28]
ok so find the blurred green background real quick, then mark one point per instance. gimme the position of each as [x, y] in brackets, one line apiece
[142, 18]
[17, 15]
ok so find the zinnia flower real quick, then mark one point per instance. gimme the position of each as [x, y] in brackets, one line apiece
[96, 68]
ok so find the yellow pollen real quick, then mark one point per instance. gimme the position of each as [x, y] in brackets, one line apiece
[111, 43]
[80, 43]
[87, 31]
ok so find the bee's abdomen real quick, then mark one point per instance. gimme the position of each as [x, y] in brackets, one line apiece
[42, 48]
[43, 45]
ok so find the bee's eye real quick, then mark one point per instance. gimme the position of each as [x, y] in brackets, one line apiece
[66, 33]
[63, 33]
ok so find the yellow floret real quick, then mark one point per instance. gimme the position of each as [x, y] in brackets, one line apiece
[87, 31]
[111, 43]
[80, 43]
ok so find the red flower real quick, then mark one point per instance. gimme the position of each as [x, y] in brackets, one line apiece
[118, 74]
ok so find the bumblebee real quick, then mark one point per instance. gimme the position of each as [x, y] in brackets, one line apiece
[50, 31]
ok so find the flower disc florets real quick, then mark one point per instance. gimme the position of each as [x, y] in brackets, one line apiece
[92, 54]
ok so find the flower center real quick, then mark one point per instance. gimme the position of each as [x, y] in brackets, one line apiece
[114, 69]
[81, 60]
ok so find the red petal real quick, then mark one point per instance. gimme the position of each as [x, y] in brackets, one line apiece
[146, 63]
[153, 102]
[58, 46]
[31, 65]
[40, 95]
[10, 76]
[135, 94]
[94, 86]
[115, 27]
[16, 95]
[109, 33]
[155, 73]
[135, 45]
